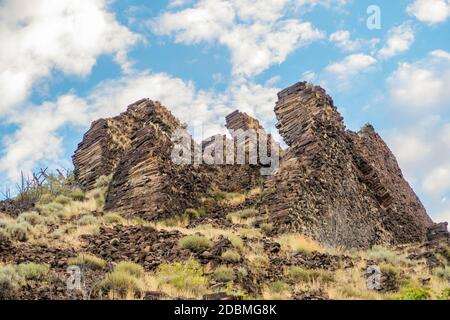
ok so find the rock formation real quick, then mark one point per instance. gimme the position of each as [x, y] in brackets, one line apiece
[135, 148]
[106, 141]
[148, 184]
[340, 187]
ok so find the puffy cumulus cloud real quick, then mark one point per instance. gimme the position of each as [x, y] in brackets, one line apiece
[424, 156]
[438, 180]
[422, 86]
[418, 91]
[256, 32]
[399, 40]
[41, 35]
[430, 11]
[351, 65]
[254, 48]
[342, 39]
[442, 216]
[309, 4]
[345, 74]
[38, 137]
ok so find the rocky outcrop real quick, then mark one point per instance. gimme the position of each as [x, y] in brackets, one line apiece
[340, 187]
[148, 184]
[136, 148]
[106, 141]
[438, 231]
[252, 143]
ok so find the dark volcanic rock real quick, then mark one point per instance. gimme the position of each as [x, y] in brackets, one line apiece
[143, 245]
[438, 231]
[340, 187]
[148, 184]
[107, 140]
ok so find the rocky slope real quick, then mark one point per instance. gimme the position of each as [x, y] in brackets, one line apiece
[144, 227]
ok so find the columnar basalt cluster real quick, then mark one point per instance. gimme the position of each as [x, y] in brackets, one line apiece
[106, 141]
[337, 186]
[340, 187]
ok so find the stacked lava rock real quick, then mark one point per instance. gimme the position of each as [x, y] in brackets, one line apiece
[335, 185]
[247, 134]
[135, 148]
[107, 140]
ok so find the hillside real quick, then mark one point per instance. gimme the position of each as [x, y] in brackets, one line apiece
[314, 225]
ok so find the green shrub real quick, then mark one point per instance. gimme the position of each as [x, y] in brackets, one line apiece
[195, 243]
[414, 293]
[33, 271]
[183, 276]
[120, 284]
[19, 231]
[279, 286]
[77, 195]
[242, 214]
[131, 268]
[113, 218]
[4, 235]
[4, 223]
[380, 254]
[446, 252]
[444, 295]
[10, 282]
[231, 255]
[242, 271]
[443, 273]
[224, 274]
[87, 260]
[266, 227]
[250, 233]
[87, 219]
[103, 181]
[259, 264]
[62, 199]
[46, 198]
[299, 274]
[391, 270]
[51, 209]
[31, 217]
[237, 242]
[194, 213]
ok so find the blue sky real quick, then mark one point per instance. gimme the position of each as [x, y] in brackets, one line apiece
[66, 63]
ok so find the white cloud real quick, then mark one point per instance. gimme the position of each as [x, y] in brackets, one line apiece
[42, 35]
[410, 149]
[421, 143]
[309, 76]
[424, 156]
[342, 39]
[38, 140]
[442, 216]
[178, 3]
[423, 85]
[254, 31]
[438, 181]
[351, 65]
[430, 11]
[254, 48]
[399, 40]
